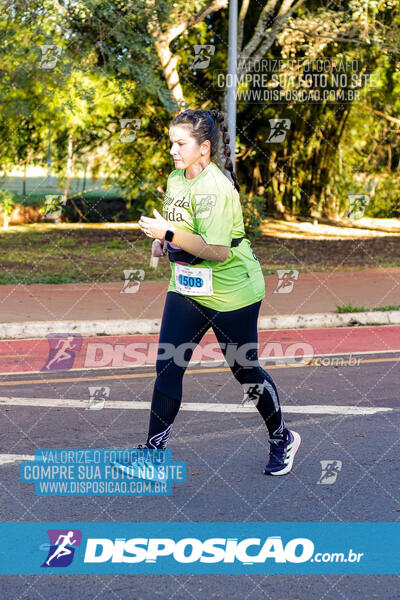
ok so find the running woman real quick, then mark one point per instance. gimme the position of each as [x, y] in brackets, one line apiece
[216, 281]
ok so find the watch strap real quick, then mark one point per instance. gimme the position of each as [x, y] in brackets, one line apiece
[169, 234]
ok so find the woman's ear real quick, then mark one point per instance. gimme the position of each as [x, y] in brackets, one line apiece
[205, 147]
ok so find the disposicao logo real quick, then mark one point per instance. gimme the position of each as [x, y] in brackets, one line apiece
[63, 543]
[191, 550]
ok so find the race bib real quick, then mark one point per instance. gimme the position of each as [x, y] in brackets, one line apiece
[193, 281]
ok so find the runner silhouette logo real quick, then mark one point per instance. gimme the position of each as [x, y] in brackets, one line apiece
[63, 543]
[203, 54]
[62, 350]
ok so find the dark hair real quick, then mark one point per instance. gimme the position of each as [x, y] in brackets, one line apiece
[205, 125]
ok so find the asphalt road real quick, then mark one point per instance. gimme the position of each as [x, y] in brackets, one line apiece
[225, 453]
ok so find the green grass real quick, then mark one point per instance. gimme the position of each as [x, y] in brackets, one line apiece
[384, 308]
[63, 255]
[10, 278]
[36, 198]
[92, 252]
[117, 244]
[349, 308]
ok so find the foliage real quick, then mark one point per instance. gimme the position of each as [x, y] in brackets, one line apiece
[253, 209]
[6, 203]
[308, 173]
[108, 69]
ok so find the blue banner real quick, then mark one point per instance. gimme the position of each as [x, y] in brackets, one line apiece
[101, 472]
[206, 547]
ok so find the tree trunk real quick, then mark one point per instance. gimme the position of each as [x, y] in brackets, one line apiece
[68, 172]
[169, 63]
[163, 38]
[24, 181]
[277, 196]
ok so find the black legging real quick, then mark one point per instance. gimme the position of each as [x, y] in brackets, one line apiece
[185, 321]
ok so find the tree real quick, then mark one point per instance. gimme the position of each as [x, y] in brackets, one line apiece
[296, 174]
[127, 67]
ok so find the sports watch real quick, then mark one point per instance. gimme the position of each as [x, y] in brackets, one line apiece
[169, 235]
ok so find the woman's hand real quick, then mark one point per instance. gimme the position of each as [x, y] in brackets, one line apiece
[157, 248]
[154, 228]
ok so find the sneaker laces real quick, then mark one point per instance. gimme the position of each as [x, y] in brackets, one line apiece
[277, 449]
[155, 458]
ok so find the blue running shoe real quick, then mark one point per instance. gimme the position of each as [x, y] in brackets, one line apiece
[144, 467]
[282, 453]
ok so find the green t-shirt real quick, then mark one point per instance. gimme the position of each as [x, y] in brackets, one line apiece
[209, 205]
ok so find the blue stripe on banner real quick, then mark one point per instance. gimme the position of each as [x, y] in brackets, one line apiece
[157, 547]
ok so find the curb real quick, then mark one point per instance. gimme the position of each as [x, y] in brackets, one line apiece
[40, 329]
[314, 320]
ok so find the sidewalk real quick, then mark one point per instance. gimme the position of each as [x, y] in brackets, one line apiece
[34, 310]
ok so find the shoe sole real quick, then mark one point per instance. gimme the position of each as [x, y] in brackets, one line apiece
[288, 468]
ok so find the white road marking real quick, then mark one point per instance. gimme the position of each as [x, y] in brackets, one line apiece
[219, 407]
[6, 459]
